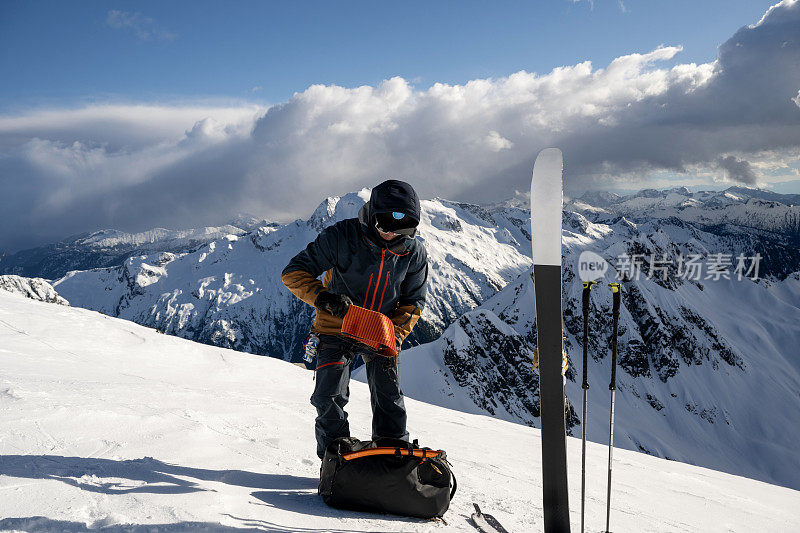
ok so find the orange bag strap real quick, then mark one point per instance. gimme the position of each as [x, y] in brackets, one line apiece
[419, 452]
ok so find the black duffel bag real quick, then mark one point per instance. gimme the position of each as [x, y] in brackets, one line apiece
[387, 476]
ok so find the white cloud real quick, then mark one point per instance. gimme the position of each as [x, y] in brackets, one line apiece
[768, 15]
[497, 142]
[139, 166]
[116, 126]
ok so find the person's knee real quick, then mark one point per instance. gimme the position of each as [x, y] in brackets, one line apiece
[321, 400]
[327, 402]
[389, 393]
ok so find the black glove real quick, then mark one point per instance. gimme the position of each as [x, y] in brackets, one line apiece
[389, 366]
[398, 342]
[332, 303]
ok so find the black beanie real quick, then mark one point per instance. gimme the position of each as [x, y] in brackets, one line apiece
[395, 196]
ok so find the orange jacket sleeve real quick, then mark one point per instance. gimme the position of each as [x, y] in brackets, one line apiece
[303, 285]
[404, 319]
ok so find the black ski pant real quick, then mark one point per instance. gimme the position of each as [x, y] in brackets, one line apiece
[335, 356]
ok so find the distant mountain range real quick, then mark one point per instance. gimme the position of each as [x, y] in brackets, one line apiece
[112, 247]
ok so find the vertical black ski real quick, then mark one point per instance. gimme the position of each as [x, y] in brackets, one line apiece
[546, 207]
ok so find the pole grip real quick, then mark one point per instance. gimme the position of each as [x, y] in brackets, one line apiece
[615, 295]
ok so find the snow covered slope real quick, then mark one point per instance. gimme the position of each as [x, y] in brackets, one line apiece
[35, 288]
[108, 425]
[708, 370]
[229, 292]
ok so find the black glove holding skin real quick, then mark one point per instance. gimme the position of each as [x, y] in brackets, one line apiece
[332, 303]
[398, 342]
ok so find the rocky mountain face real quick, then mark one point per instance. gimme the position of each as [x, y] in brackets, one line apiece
[34, 288]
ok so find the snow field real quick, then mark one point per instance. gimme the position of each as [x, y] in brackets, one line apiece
[111, 426]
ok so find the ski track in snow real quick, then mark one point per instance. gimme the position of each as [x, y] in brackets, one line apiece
[111, 426]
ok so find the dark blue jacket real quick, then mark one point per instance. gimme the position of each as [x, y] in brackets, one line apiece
[385, 276]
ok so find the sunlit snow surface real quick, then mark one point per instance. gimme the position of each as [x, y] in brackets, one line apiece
[107, 425]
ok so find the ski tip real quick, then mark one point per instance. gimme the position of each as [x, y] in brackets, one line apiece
[550, 154]
[549, 166]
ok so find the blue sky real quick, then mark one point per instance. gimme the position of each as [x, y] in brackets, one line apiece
[181, 114]
[70, 53]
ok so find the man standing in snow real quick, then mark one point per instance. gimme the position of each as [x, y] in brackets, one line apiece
[373, 261]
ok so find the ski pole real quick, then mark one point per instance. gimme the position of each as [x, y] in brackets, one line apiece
[587, 289]
[612, 387]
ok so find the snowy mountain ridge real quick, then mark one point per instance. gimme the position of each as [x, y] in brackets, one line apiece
[33, 288]
[110, 247]
[236, 299]
[748, 208]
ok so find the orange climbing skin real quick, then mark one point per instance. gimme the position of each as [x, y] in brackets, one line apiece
[371, 328]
